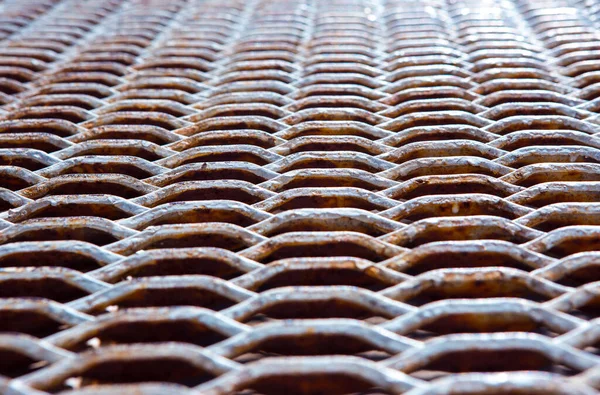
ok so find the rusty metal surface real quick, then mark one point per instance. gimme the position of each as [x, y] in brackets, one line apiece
[299, 196]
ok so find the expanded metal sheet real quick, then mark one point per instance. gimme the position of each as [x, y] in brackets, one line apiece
[299, 197]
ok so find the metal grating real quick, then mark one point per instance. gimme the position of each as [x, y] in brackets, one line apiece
[300, 197]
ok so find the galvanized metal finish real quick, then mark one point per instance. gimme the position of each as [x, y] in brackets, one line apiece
[299, 197]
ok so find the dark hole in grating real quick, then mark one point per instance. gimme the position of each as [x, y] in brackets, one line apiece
[153, 332]
[316, 309]
[333, 226]
[66, 259]
[101, 168]
[521, 98]
[454, 189]
[569, 247]
[56, 114]
[483, 323]
[124, 120]
[236, 194]
[4, 205]
[79, 210]
[399, 99]
[97, 187]
[163, 109]
[464, 233]
[56, 130]
[583, 275]
[26, 163]
[228, 157]
[457, 260]
[590, 310]
[81, 89]
[332, 146]
[14, 364]
[562, 197]
[75, 101]
[29, 322]
[90, 235]
[338, 248]
[490, 361]
[231, 139]
[314, 344]
[231, 243]
[49, 288]
[331, 164]
[174, 267]
[156, 370]
[9, 88]
[330, 181]
[16, 75]
[447, 170]
[318, 277]
[127, 151]
[12, 182]
[550, 225]
[174, 296]
[337, 104]
[129, 135]
[316, 201]
[465, 208]
[219, 174]
[30, 143]
[439, 135]
[93, 236]
[476, 290]
[309, 384]
[539, 178]
[370, 354]
[245, 112]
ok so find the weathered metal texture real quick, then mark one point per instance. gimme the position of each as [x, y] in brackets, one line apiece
[299, 196]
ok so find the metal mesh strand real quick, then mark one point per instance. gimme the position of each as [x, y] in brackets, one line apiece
[299, 197]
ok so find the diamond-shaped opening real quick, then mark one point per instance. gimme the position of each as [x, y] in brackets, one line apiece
[483, 323]
[108, 211]
[175, 267]
[139, 371]
[461, 260]
[465, 233]
[15, 364]
[176, 296]
[318, 201]
[49, 288]
[580, 276]
[311, 344]
[207, 215]
[229, 242]
[66, 259]
[98, 187]
[462, 187]
[91, 235]
[12, 182]
[314, 309]
[580, 244]
[123, 167]
[29, 322]
[474, 290]
[220, 193]
[185, 331]
[306, 384]
[489, 361]
[317, 277]
[335, 248]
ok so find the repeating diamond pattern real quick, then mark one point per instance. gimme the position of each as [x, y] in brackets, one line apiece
[299, 197]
